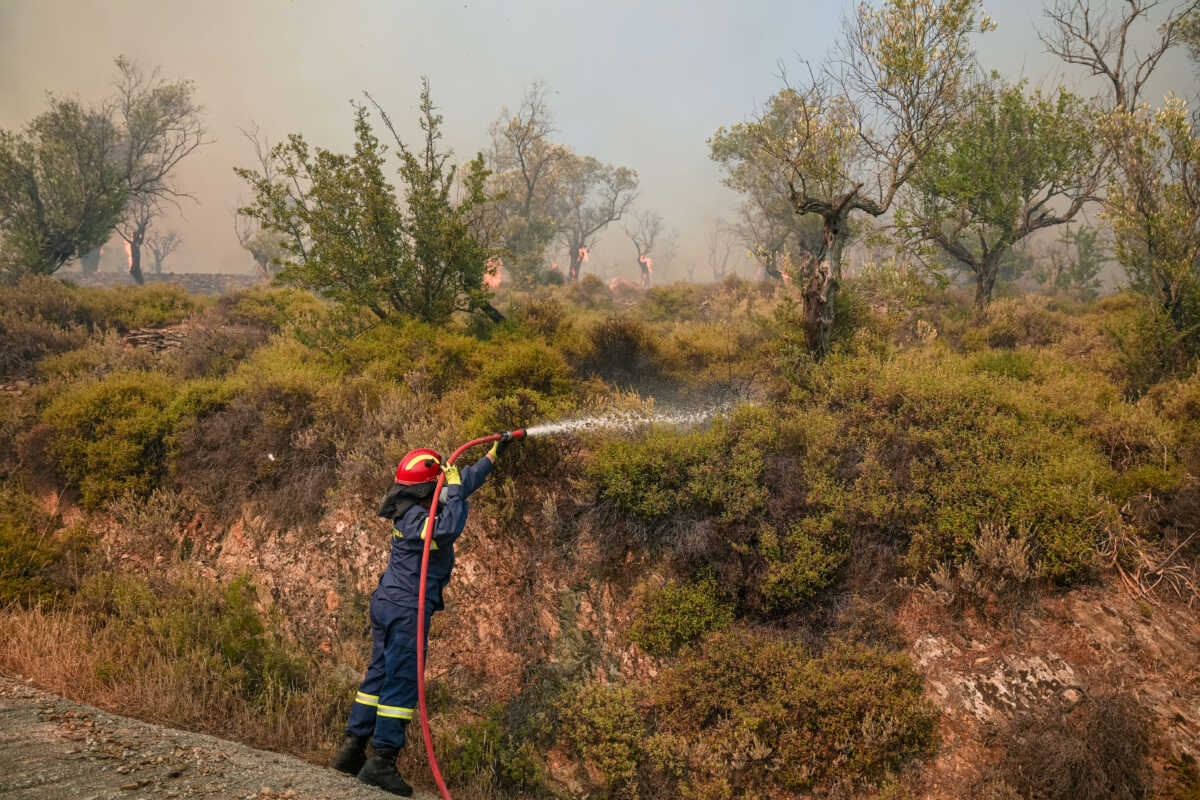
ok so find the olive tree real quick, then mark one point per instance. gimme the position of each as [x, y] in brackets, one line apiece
[61, 190]
[856, 129]
[1012, 164]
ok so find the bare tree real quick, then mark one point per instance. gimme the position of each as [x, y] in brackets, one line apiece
[593, 195]
[721, 240]
[265, 246]
[644, 232]
[162, 125]
[525, 165]
[1101, 42]
[162, 245]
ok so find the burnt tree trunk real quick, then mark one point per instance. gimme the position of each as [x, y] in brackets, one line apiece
[135, 263]
[820, 291]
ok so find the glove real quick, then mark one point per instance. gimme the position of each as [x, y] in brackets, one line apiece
[498, 447]
[452, 476]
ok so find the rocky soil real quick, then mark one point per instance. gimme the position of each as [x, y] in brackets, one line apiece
[52, 749]
[1057, 654]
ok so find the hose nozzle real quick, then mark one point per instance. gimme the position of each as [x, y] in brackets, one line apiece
[508, 436]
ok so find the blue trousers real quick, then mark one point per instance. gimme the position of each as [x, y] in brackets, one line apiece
[387, 696]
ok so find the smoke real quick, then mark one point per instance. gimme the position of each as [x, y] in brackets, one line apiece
[646, 95]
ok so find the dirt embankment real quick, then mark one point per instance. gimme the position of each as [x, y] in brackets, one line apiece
[54, 748]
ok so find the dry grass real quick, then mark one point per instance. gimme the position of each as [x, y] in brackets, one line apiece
[66, 652]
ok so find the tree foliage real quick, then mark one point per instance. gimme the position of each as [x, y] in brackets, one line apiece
[1153, 204]
[1012, 164]
[526, 171]
[547, 193]
[61, 190]
[348, 237]
[592, 196]
[853, 133]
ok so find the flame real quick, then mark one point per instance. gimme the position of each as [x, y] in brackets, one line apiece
[129, 255]
[647, 262]
[492, 276]
[786, 278]
[583, 254]
[554, 266]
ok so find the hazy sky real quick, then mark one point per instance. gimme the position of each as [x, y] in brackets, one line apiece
[637, 84]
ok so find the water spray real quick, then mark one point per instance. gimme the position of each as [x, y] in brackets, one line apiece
[624, 420]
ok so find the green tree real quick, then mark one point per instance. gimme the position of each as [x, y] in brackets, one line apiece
[855, 131]
[1011, 165]
[1153, 204]
[349, 238]
[61, 191]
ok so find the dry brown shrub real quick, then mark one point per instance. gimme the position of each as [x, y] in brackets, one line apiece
[1099, 751]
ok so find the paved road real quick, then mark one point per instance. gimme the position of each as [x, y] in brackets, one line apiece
[53, 749]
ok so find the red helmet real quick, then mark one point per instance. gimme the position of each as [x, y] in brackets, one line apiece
[419, 466]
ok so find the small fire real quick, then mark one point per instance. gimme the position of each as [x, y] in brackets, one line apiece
[492, 276]
[554, 266]
[129, 256]
[583, 255]
[786, 278]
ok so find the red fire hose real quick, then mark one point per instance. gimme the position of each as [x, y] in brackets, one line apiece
[428, 537]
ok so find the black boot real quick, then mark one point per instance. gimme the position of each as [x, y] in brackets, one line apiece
[380, 770]
[351, 755]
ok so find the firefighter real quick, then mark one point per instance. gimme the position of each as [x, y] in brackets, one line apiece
[387, 695]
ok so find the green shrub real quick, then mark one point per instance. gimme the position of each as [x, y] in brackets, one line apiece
[46, 298]
[768, 718]
[108, 436]
[1012, 364]
[486, 752]
[669, 473]
[270, 309]
[605, 727]
[923, 448]
[286, 416]
[130, 307]
[800, 562]
[676, 614]
[1150, 349]
[1011, 323]
[37, 562]
[678, 302]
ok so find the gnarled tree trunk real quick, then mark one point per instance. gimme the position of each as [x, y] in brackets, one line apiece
[820, 291]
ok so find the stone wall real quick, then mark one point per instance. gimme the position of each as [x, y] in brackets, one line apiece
[194, 282]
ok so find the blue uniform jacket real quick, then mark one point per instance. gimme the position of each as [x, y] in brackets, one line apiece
[399, 584]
